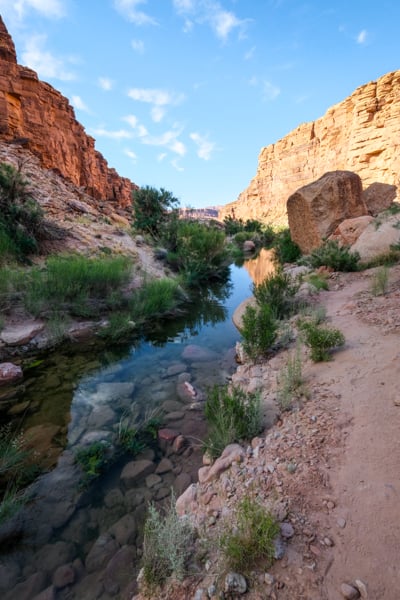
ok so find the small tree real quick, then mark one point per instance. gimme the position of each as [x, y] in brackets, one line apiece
[152, 209]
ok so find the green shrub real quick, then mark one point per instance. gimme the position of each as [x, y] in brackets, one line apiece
[321, 339]
[331, 254]
[318, 280]
[286, 250]
[232, 416]
[259, 330]
[152, 209]
[252, 539]
[291, 381]
[166, 545]
[155, 298]
[278, 291]
[380, 281]
[93, 460]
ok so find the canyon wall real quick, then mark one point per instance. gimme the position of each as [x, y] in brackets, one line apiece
[360, 134]
[36, 115]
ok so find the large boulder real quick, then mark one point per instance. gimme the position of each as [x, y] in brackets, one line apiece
[378, 237]
[348, 232]
[315, 210]
[378, 197]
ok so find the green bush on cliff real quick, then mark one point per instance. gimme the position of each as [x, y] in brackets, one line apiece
[331, 254]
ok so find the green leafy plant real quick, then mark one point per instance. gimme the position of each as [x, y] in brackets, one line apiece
[93, 460]
[277, 290]
[167, 540]
[286, 251]
[232, 415]
[259, 330]
[152, 209]
[291, 385]
[252, 539]
[331, 254]
[318, 280]
[321, 340]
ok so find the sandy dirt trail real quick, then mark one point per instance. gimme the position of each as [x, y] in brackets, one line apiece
[365, 478]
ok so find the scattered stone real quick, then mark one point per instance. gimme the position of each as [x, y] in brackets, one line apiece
[269, 579]
[152, 480]
[167, 435]
[125, 530]
[181, 483]
[328, 541]
[135, 470]
[18, 335]
[362, 588]
[287, 530]
[179, 444]
[47, 594]
[114, 498]
[177, 415]
[235, 584]
[201, 594]
[164, 466]
[27, 589]
[186, 499]
[9, 373]
[101, 552]
[341, 522]
[64, 575]
[279, 548]
[349, 592]
[233, 453]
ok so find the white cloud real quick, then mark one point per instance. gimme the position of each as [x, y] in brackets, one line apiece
[155, 96]
[114, 135]
[176, 165]
[132, 155]
[78, 103]
[129, 9]
[270, 91]
[20, 8]
[44, 63]
[204, 146]
[105, 83]
[157, 113]
[138, 46]
[161, 156]
[139, 130]
[132, 120]
[168, 139]
[362, 37]
[221, 21]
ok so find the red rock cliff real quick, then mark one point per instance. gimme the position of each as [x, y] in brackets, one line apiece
[34, 112]
[360, 134]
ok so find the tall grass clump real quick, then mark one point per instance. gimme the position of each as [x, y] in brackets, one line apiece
[155, 298]
[380, 281]
[259, 331]
[166, 545]
[291, 381]
[337, 257]
[232, 415]
[320, 340]
[277, 290]
[251, 540]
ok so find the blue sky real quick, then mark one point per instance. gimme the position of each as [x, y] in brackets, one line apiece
[183, 94]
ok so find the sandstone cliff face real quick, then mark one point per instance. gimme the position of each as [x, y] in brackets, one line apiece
[33, 113]
[360, 134]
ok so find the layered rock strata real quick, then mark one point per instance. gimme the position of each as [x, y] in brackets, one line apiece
[360, 134]
[34, 114]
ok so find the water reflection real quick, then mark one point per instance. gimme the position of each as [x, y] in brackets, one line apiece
[261, 266]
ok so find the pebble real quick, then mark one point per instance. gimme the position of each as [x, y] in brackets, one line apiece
[287, 530]
[349, 592]
[362, 588]
[341, 522]
[328, 541]
[235, 584]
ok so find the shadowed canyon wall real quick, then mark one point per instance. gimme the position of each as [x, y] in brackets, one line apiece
[36, 115]
[360, 134]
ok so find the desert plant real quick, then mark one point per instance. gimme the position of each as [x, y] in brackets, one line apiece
[152, 209]
[252, 538]
[286, 250]
[232, 415]
[258, 331]
[291, 381]
[332, 254]
[167, 539]
[320, 340]
[380, 281]
[277, 290]
[318, 280]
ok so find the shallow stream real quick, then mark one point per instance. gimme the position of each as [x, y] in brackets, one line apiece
[82, 542]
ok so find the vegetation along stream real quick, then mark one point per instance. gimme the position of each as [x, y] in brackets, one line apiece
[112, 429]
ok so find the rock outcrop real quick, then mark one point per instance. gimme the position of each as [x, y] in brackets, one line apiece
[360, 134]
[34, 114]
[316, 209]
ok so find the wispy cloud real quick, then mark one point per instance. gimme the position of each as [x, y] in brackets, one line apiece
[20, 8]
[114, 135]
[43, 62]
[157, 113]
[362, 37]
[138, 46]
[131, 11]
[204, 146]
[168, 139]
[131, 154]
[78, 103]
[155, 96]
[105, 83]
[177, 166]
[250, 53]
[211, 12]
[270, 91]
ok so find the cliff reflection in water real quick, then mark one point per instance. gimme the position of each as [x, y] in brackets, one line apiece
[258, 268]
